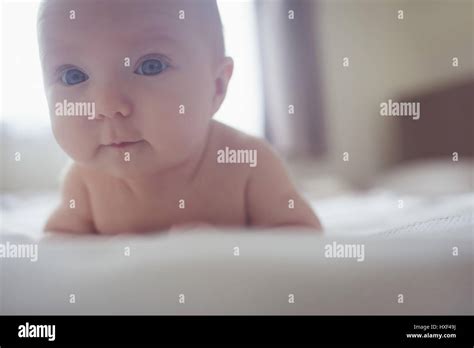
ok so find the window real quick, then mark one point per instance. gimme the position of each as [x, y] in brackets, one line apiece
[24, 106]
[243, 107]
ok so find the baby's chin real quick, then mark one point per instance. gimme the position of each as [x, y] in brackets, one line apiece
[130, 162]
[124, 162]
[124, 170]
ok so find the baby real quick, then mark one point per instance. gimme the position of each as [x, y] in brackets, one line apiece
[147, 77]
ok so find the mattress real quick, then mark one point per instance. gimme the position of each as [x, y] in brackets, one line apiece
[415, 260]
[355, 213]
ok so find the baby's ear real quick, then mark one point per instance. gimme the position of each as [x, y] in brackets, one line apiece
[224, 72]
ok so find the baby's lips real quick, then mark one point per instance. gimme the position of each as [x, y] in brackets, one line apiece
[124, 143]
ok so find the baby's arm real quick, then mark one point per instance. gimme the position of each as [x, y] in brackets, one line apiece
[73, 213]
[272, 199]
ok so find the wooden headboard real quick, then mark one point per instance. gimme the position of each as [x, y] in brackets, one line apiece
[446, 124]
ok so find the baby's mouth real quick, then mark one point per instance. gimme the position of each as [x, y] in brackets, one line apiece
[124, 144]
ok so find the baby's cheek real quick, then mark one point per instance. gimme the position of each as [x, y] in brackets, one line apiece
[75, 135]
[173, 117]
[176, 136]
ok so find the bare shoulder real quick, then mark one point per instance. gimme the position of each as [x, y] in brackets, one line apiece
[81, 179]
[271, 197]
[223, 135]
[72, 175]
[73, 214]
[226, 137]
[231, 139]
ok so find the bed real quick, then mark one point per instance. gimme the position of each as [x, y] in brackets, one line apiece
[418, 259]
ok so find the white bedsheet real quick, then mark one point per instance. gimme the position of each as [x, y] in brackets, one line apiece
[270, 267]
[351, 214]
[409, 251]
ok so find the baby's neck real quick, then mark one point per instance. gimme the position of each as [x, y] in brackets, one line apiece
[182, 174]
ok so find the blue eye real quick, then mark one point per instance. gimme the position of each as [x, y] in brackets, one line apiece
[73, 77]
[151, 67]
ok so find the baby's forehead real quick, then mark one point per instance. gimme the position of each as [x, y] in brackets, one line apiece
[123, 16]
[65, 26]
[114, 7]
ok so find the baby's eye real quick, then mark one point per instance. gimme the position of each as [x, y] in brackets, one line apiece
[151, 67]
[73, 77]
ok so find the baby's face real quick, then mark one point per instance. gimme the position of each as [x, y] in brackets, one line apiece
[147, 73]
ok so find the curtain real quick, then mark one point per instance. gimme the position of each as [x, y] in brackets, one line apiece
[292, 89]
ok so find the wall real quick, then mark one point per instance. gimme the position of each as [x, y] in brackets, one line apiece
[388, 58]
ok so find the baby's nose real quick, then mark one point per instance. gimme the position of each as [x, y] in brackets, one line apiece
[112, 103]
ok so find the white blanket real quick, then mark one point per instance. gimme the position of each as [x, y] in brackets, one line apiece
[417, 260]
[353, 214]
